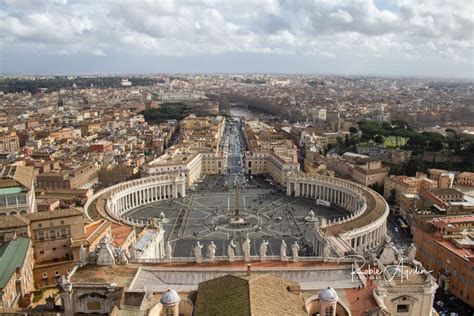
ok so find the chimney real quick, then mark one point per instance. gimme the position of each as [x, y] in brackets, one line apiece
[249, 269]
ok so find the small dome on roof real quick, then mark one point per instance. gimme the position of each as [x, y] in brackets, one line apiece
[170, 298]
[328, 295]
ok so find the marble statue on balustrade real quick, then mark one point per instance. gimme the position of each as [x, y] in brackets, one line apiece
[411, 252]
[168, 251]
[231, 250]
[295, 248]
[246, 249]
[283, 247]
[106, 253]
[121, 256]
[211, 251]
[263, 250]
[326, 250]
[198, 252]
[82, 255]
[389, 254]
[132, 250]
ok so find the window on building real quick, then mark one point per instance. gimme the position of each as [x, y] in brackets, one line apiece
[52, 235]
[22, 199]
[11, 200]
[403, 308]
[329, 311]
[45, 275]
[56, 273]
[3, 202]
[41, 236]
[63, 232]
[169, 312]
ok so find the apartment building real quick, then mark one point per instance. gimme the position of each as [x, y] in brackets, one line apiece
[270, 152]
[17, 190]
[466, 179]
[198, 153]
[445, 248]
[404, 184]
[80, 177]
[9, 143]
[52, 234]
[358, 168]
[370, 173]
[13, 226]
[16, 272]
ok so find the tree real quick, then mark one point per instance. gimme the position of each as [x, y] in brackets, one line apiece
[413, 166]
[353, 130]
[436, 144]
[386, 126]
[378, 139]
[377, 187]
[393, 197]
[451, 133]
[397, 170]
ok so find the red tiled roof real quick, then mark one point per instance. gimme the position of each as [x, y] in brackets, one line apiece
[120, 233]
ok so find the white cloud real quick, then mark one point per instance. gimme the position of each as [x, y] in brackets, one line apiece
[428, 30]
[342, 15]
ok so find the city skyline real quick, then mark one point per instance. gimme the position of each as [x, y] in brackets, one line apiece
[393, 38]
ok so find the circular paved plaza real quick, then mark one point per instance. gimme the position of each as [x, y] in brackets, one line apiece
[209, 214]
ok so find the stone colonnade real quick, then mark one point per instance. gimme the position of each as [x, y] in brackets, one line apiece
[349, 196]
[128, 195]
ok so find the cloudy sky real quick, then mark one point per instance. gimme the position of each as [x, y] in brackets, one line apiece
[382, 37]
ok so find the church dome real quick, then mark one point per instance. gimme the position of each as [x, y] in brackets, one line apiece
[328, 295]
[170, 298]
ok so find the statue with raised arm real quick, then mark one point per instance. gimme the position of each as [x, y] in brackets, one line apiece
[283, 247]
[168, 251]
[295, 248]
[411, 252]
[121, 256]
[326, 250]
[231, 250]
[246, 249]
[263, 250]
[132, 250]
[211, 251]
[197, 252]
[82, 255]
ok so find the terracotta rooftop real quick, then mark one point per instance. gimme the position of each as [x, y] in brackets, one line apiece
[361, 299]
[53, 214]
[466, 254]
[249, 295]
[121, 275]
[120, 233]
[13, 221]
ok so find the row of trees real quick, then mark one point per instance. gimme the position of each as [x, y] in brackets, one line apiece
[376, 131]
[166, 111]
[10, 85]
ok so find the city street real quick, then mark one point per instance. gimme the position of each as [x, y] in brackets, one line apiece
[401, 237]
[234, 155]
